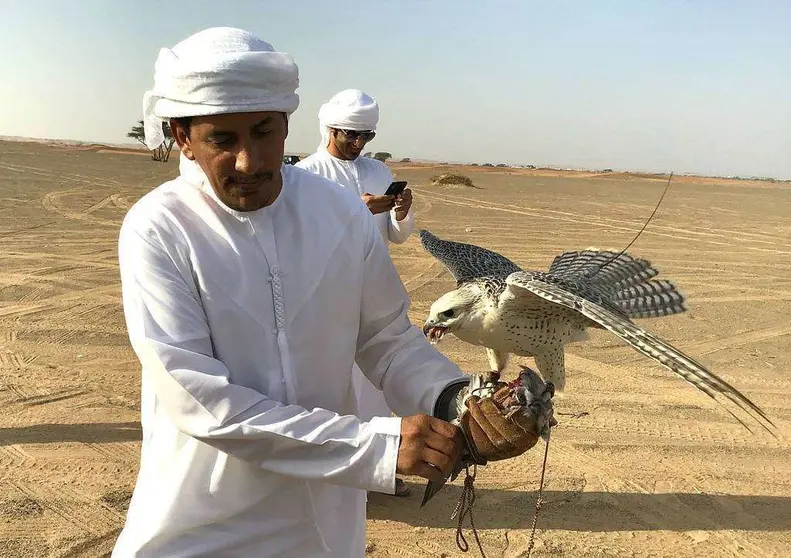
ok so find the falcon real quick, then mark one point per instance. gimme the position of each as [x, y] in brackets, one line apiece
[509, 310]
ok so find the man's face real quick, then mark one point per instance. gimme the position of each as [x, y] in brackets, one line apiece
[349, 144]
[241, 155]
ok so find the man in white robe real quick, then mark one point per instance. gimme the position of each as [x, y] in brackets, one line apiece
[347, 122]
[250, 288]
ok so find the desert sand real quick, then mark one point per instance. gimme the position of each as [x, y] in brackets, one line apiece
[641, 464]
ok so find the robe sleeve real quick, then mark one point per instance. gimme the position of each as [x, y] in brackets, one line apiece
[170, 334]
[392, 352]
[398, 231]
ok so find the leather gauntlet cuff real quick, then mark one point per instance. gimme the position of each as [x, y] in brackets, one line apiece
[446, 406]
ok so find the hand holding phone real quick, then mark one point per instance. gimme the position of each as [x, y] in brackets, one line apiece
[378, 204]
[396, 188]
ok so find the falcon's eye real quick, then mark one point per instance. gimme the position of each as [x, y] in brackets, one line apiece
[448, 313]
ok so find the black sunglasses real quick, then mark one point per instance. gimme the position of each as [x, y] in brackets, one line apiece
[352, 135]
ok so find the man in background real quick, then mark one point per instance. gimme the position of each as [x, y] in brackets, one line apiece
[347, 122]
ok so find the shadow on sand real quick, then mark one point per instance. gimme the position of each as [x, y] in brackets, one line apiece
[86, 433]
[589, 511]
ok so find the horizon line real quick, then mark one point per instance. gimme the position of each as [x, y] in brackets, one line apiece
[139, 147]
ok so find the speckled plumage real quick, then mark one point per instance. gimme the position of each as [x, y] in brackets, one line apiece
[509, 310]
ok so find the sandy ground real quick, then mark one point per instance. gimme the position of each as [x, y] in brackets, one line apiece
[655, 468]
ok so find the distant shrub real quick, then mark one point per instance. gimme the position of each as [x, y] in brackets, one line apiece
[447, 179]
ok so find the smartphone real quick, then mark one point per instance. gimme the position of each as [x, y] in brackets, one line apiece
[396, 188]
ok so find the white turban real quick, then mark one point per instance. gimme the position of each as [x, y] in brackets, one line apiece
[218, 70]
[351, 109]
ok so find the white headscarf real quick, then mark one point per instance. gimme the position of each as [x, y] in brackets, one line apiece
[351, 109]
[218, 70]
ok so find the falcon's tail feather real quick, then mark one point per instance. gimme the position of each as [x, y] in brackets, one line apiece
[652, 299]
[629, 281]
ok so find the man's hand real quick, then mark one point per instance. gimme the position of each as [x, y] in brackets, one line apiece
[402, 204]
[378, 204]
[429, 447]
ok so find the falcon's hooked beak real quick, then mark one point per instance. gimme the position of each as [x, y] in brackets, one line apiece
[434, 331]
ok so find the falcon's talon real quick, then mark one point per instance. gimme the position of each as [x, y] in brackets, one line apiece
[512, 412]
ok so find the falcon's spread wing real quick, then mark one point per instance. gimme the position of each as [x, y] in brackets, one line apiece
[564, 293]
[625, 281]
[603, 266]
[466, 261]
[582, 288]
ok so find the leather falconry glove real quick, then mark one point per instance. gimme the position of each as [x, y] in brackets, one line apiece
[499, 420]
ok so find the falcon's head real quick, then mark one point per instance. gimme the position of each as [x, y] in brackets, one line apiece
[459, 310]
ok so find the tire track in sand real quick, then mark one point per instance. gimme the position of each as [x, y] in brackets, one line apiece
[51, 202]
[56, 258]
[611, 481]
[55, 300]
[420, 275]
[728, 235]
[94, 547]
[702, 348]
[70, 176]
[598, 222]
[96, 524]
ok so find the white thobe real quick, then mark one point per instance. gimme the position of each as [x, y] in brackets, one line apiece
[247, 326]
[364, 175]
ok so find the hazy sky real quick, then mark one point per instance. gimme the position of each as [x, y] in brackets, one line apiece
[697, 86]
